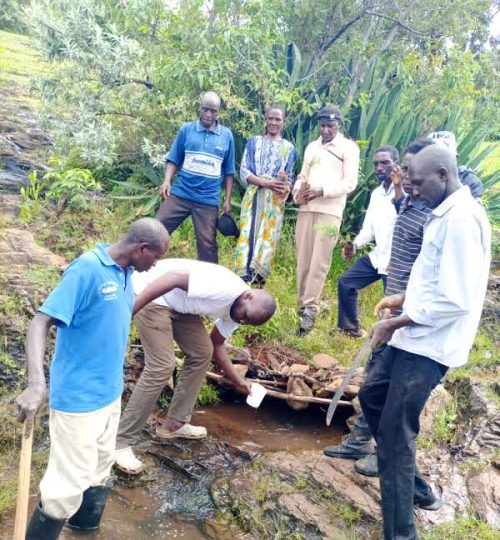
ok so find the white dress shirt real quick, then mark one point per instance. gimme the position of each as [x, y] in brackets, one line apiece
[448, 282]
[212, 290]
[378, 225]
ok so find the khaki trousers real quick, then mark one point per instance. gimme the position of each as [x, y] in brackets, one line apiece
[158, 327]
[82, 451]
[316, 235]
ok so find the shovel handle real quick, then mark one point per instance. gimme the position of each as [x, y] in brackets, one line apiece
[23, 487]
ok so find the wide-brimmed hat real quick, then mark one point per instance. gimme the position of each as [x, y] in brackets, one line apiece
[227, 226]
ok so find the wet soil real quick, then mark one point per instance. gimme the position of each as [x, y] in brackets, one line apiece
[271, 428]
[172, 499]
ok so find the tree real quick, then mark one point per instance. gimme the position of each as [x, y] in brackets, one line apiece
[126, 75]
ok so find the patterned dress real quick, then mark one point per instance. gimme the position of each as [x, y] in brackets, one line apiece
[262, 210]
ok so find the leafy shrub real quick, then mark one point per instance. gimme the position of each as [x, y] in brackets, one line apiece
[68, 187]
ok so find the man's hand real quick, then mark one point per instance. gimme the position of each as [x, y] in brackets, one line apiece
[381, 333]
[348, 251]
[165, 189]
[29, 403]
[312, 194]
[394, 302]
[244, 387]
[396, 175]
[226, 207]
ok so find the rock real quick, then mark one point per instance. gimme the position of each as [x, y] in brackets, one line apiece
[303, 510]
[484, 493]
[476, 401]
[350, 391]
[18, 247]
[438, 400]
[241, 369]
[299, 368]
[335, 475]
[324, 361]
[298, 387]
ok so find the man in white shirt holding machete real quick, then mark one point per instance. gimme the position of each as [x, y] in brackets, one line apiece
[441, 312]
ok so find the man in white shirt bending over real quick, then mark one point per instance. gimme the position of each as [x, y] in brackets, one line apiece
[180, 292]
[378, 226]
[441, 311]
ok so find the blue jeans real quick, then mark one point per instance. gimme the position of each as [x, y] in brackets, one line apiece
[359, 276]
[396, 388]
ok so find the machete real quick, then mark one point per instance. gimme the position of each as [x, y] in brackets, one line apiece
[365, 350]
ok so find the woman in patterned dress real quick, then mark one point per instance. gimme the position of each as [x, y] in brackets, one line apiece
[267, 167]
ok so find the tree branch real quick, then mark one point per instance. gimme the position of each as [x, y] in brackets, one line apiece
[147, 84]
[323, 46]
[398, 22]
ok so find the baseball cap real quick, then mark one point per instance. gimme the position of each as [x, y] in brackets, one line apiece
[329, 113]
[445, 140]
[227, 226]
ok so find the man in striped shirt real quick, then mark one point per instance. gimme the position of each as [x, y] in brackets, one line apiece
[406, 244]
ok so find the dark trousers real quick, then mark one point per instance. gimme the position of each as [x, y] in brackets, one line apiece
[359, 276]
[175, 210]
[396, 388]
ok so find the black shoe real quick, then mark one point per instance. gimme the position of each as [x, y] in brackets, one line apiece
[432, 506]
[368, 466]
[43, 527]
[90, 512]
[306, 322]
[357, 334]
[350, 448]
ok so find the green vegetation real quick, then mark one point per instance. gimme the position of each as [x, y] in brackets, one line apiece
[123, 76]
[68, 187]
[208, 395]
[20, 61]
[31, 198]
[466, 528]
[12, 16]
[445, 424]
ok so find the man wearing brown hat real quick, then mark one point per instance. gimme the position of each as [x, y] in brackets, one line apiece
[329, 173]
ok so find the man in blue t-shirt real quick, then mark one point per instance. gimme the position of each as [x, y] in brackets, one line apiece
[91, 309]
[203, 155]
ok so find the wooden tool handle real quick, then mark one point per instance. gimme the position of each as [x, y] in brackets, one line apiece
[23, 488]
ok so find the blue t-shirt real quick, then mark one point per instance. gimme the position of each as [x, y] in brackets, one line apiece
[204, 158]
[92, 306]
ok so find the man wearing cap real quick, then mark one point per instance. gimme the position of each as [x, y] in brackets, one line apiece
[203, 153]
[378, 226]
[181, 291]
[329, 173]
[447, 141]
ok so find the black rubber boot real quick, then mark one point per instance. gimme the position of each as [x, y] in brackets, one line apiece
[43, 527]
[367, 466]
[355, 445]
[90, 512]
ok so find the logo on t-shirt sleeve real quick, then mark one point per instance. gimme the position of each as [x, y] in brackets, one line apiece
[109, 290]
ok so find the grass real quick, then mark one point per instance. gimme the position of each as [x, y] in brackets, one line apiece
[19, 59]
[492, 162]
[465, 528]
[444, 427]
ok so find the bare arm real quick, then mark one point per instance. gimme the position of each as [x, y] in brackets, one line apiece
[221, 358]
[30, 401]
[167, 180]
[382, 331]
[171, 280]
